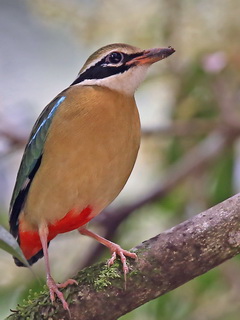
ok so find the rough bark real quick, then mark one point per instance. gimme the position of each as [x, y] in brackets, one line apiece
[198, 158]
[164, 262]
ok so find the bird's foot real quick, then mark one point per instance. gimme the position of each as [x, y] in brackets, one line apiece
[66, 283]
[114, 248]
[117, 250]
[53, 289]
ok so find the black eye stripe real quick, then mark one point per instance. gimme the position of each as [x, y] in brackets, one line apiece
[100, 72]
[128, 57]
[103, 68]
[131, 56]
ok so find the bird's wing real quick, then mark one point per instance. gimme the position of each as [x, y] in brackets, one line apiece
[31, 160]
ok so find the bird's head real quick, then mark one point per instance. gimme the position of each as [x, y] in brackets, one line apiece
[120, 67]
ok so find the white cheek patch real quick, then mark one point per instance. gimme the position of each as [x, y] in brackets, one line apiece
[126, 82]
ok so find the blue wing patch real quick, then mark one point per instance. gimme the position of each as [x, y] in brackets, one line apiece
[47, 121]
[31, 161]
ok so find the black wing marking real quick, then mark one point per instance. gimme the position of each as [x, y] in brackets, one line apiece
[31, 161]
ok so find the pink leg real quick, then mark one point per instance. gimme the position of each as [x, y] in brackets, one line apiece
[114, 248]
[52, 285]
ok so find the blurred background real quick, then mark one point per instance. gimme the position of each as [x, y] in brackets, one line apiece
[189, 106]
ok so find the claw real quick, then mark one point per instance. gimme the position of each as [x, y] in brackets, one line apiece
[66, 283]
[52, 285]
[117, 250]
[53, 290]
[114, 248]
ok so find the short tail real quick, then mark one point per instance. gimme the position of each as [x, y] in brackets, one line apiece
[31, 261]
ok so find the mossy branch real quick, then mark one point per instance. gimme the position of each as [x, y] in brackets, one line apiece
[164, 262]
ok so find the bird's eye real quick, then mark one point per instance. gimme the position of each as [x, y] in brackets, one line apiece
[115, 57]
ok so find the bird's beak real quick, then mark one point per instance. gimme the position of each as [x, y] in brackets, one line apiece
[152, 55]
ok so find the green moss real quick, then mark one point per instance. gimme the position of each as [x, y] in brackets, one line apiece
[30, 306]
[100, 277]
[133, 273]
[105, 276]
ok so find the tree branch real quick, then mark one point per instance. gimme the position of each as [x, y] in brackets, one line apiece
[198, 157]
[165, 262]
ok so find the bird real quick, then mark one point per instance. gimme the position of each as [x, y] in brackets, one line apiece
[80, 154]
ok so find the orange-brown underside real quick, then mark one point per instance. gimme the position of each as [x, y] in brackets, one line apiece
[30, 242]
